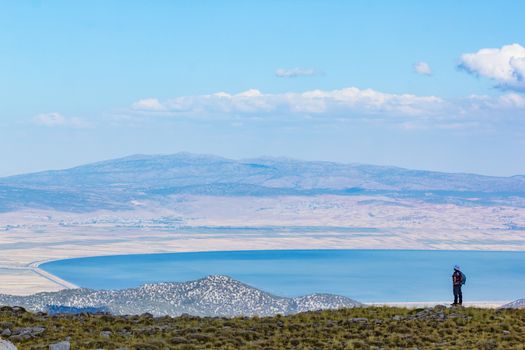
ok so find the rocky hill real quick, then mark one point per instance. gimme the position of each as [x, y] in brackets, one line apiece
[210, 296]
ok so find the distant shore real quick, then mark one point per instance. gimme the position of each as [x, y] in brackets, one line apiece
[55, 279]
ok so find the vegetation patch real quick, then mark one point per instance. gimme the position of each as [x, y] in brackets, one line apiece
[355, 328]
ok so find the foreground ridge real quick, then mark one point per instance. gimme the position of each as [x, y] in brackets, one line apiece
[209, 296]
[353, 328]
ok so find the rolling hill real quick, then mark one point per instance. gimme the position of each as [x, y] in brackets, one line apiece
[114, 184]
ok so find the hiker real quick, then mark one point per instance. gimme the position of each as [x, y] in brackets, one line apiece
[458, 279]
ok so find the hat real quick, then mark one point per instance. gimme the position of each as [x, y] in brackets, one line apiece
[456, 267]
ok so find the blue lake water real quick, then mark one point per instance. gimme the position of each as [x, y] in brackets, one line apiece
[365, 275]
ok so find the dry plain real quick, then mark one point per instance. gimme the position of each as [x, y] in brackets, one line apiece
[203, 223]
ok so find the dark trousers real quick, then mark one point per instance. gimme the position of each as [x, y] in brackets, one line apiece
[458, 296]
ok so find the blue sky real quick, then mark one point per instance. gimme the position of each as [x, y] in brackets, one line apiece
[421, 84]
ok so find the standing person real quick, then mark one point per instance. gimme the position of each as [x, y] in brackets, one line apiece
[457, 282]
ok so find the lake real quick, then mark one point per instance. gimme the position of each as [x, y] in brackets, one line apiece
[364, 275]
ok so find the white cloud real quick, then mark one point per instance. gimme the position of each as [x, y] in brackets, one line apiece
[503, 103]
[505, 65]
[422, 68]
[54, 119]
[347, 101]
[512, 100]
[348, 104]
[151, 104]
[295, 72]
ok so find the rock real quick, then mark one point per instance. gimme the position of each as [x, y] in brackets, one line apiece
[359, 319]
[27, 332]
[22, 331]
[179, 340]
[37, 330]
[20, 337]
[63, 345]
[428, 314]
[5, 325]
[105, 334]
[7, 345]
[6, 332]
[506, 332]
[397, 318]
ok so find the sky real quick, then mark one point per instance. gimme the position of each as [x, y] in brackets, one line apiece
[434, 85]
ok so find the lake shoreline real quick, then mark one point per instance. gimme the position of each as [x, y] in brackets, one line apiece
[476, 294]
[27, 279]
[64, 284]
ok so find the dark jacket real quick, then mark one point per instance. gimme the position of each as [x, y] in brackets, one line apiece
[457, 278]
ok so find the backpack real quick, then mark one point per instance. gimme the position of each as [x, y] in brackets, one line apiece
[463, 278]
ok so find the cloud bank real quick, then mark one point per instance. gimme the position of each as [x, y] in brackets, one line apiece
[312, 103]
[506, 65]
[55, 119]
[348, 104]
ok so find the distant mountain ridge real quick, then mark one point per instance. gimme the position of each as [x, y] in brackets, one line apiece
[114, 183]
[210, 296]
[185, 169]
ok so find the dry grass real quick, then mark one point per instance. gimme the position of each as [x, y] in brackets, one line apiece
[359, 328]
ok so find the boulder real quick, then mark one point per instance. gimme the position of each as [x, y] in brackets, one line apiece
[105, 334]
[7, 345]
[63, 345]
[28, 332]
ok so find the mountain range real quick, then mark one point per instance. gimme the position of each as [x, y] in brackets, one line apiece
[116, 184]
[211, 296]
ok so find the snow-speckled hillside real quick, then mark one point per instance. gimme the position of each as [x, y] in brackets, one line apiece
[516, 304]
[210, 296]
